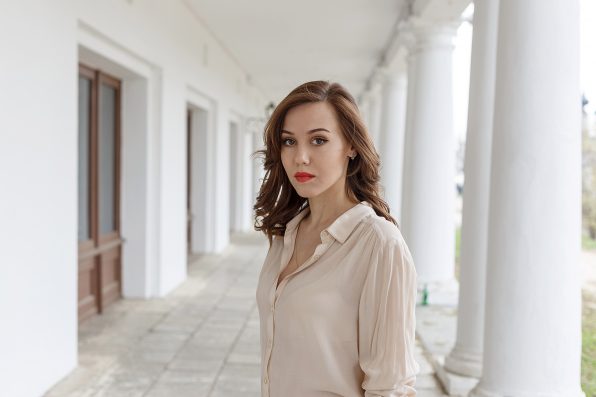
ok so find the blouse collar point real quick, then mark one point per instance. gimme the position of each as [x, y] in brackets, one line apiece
[341, 228]
[345, 224]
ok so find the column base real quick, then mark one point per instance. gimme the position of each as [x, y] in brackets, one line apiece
[480, 391]
[464, 363]
[436, 330]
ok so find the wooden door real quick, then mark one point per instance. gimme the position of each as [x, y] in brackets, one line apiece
[99, 192]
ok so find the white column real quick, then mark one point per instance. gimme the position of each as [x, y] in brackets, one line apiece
[391, 139]
[466, 356]
[429, 164]
[533, 298]
[374, 111]
[364, 108]
[241, 186]
[258, 172]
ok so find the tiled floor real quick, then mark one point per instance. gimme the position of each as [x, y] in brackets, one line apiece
[200, 340]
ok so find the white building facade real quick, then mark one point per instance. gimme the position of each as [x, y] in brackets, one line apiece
[126, 134]
[156, 91]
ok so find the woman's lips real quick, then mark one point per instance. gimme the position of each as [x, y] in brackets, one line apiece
[303, 177]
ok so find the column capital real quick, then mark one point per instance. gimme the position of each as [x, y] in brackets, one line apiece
[396, 69]
[422, 34]
[372, 90]
[392, 76]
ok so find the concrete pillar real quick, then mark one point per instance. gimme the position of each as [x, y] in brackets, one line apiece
[533, 297]
[429, 164]
[391, 139]
[241, 183]
[466, 356]
[258, 172]
[374, 111]
[364, 107]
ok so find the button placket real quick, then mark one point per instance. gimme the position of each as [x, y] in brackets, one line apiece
[270, 331]
[276, 292]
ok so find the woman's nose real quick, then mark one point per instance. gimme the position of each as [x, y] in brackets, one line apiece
[302, 156]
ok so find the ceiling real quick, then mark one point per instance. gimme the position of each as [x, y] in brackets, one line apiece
[281, 44]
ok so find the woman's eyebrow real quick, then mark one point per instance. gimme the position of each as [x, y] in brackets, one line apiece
[309, 132]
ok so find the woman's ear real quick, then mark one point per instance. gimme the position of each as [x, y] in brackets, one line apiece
[352, 152]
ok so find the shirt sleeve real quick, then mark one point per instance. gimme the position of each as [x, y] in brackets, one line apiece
[387, 323]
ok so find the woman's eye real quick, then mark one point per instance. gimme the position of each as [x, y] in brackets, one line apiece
[319, 141]
[287, 142]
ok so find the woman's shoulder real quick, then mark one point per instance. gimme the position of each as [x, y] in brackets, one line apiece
[382, 232]
[387, 244]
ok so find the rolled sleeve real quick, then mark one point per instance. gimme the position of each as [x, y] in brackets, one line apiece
[387, 323]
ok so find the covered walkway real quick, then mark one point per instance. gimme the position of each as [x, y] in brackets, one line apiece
[125, 141]
[200, 340]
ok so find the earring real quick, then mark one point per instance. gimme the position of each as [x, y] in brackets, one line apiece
[352, 157]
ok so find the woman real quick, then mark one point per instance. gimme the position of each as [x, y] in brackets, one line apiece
[337, 292]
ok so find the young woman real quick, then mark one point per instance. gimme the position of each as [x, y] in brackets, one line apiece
[337, 292]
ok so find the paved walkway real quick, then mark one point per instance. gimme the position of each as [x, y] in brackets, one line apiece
[200, 340]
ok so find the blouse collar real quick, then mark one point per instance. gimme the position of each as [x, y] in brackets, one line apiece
[342, 227]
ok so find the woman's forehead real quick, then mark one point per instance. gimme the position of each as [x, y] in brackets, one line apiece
[309, 116]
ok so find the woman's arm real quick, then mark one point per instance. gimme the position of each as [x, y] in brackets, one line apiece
[387, 323]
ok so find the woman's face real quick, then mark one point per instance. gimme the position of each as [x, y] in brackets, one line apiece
[314, 151]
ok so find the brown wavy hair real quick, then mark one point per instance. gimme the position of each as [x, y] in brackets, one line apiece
[277, 202]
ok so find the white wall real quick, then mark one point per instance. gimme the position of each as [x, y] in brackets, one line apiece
[38, 195]
[241, 174]
[235, 173]
[247, 178]
[172, 39]
[160, 50]
[202, 163]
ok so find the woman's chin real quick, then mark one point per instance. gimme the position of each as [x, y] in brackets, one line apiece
[307, 193]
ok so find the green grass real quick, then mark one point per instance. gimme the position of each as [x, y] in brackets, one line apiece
[588, 332]
[589, 345]
[588, 243]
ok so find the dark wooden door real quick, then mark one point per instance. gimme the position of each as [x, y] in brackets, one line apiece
[100, 243]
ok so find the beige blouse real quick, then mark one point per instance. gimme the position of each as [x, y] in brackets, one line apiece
[343, 324]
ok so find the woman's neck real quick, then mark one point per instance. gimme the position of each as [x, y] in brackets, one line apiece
[324, 210]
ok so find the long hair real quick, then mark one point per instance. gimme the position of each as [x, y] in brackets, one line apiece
[277, 202]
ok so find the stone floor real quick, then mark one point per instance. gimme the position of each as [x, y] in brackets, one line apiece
[200, 340]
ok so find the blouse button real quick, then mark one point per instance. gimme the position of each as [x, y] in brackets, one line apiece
[266, 381]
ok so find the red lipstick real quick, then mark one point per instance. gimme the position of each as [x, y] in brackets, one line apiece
[303, 176]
